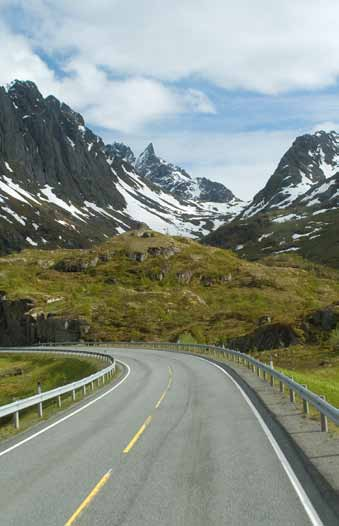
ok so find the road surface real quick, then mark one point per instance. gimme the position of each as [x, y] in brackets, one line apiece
[175, 443]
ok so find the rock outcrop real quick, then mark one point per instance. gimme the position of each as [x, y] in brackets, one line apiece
[18, 327]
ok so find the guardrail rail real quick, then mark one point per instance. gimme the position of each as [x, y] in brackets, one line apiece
[101, 376]
[266, 372]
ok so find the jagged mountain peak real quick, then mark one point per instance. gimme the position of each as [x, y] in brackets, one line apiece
[311, 159]
[119, 150]
[61, 186]
[175, 179]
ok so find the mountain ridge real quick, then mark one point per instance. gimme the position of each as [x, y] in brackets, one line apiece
[61, 186]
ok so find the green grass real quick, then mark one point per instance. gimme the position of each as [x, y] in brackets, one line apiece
[52, 372]
[323, 382]
[137, 306]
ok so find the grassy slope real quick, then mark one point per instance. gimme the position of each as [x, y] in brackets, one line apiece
[140, 307]
[51, 371]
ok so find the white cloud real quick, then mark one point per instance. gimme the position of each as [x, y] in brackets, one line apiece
[262, 46]
[114, 104]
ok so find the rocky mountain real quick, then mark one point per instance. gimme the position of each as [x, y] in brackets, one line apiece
[311, 159]
[297, 211]
[60, 185]
[120, 151]
[176, 180]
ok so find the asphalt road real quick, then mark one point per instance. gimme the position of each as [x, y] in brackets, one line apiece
[175, 443]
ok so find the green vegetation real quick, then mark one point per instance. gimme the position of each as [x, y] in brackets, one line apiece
[160, 288]
[20, 373]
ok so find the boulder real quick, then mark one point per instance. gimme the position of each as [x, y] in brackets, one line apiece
[267, 337]
[184, 277]
[324, 319]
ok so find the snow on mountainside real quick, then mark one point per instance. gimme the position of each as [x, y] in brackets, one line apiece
[60, 185]
[298, 210]
[310, 160]
[177, 181]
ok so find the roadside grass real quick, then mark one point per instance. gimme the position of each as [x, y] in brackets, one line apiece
[42, 368]
[20, 373]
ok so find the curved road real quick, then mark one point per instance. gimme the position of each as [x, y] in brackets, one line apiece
[174, 443]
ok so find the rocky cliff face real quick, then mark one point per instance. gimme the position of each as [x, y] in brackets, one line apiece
[18, 327]
[60, 185]
[177, 181]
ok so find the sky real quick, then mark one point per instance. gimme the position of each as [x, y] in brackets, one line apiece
[221, 87]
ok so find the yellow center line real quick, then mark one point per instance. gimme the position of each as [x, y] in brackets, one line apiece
[89, 498]
[149, 419]
[106, 477]
[166, 390]
[138, 434]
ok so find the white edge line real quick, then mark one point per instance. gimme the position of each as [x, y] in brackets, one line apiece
[303, 497]
[63, 419]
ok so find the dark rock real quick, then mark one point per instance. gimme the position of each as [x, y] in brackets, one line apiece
[185, 277]
[18, 327]
[137, 256]
[167, 252]
[207, 281]
[111, 281]
[75, 265]
[264, 319]
[325, 319]
[267, 337]
[147, 234]
[156, 276]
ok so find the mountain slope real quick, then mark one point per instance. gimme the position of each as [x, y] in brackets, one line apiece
[60, 185]
[177, 181]
[310, 160]
[297, 211]
[148, 286]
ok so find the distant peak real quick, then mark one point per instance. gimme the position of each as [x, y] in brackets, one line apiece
[150, 149]
[21, 84]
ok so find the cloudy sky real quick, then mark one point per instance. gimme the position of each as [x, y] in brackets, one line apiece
[221, 87]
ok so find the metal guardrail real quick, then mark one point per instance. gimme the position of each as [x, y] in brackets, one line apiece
[104, 374]
[266, 372]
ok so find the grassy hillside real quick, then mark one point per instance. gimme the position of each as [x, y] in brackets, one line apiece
[146, 286]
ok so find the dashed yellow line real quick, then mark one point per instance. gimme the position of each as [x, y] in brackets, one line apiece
[138, 435]
[157, 405]
[127, 449]
[89, 498]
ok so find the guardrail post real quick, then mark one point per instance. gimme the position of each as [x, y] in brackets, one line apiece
[323, 419]
[16, 420]
[73, 395]
[272, 380]
[84, 390]
[59, 401]
[92, 385]
[292, 395]
[264, 375]
[306, 406]
[281, 386]
[40, 412]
